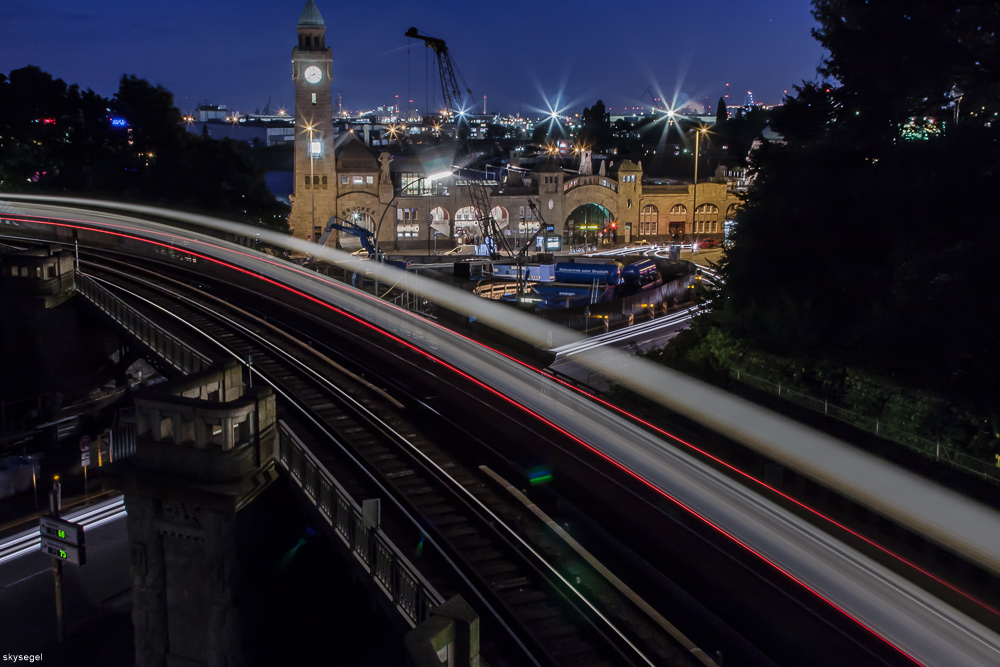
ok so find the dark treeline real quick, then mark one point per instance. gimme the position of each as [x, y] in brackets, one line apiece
[58, 139]
[869, 237]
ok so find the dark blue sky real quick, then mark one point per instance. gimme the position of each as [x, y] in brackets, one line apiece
[237, 53]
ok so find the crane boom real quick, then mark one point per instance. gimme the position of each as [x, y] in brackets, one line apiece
[449, 82]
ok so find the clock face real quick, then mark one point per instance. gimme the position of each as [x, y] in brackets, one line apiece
[313, 74]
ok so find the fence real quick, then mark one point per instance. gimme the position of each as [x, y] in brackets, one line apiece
[170, 348]
[398, 579]
[930, 448]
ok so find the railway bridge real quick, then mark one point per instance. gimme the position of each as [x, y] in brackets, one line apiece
[382, 404]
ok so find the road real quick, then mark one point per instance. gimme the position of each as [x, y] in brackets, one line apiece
[98, 600]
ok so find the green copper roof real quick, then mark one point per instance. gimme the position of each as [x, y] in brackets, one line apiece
[311, 18]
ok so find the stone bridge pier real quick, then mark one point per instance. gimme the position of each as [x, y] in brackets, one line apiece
[205, 449]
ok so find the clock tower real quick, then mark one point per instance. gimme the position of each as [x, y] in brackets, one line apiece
[315, 194]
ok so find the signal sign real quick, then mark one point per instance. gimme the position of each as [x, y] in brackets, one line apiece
[62, 530]
[64, 552]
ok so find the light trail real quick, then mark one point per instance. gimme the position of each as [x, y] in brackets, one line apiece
[92, 517]
[620, 335]
[725, 504]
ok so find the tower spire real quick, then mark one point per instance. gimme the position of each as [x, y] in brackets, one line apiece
[310, 17]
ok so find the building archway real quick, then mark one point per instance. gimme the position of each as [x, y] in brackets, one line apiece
[349, 242]
[589, 224]
[467, 224]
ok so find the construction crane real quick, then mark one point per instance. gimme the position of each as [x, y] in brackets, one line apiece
[449, 83]
[521, 257]
[364, 235]
[493, 235]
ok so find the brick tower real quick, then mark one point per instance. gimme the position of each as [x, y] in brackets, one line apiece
[315, 196]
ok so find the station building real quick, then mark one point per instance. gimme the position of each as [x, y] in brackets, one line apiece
[421, 202]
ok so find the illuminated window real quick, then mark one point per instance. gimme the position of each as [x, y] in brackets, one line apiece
[343, 180]
[649, 220]
[359, 180]
[370, 180]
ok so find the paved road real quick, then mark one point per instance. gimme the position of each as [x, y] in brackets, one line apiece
[97, 603]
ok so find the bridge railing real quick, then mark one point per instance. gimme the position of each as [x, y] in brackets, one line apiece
[164, 344]
[401, 582]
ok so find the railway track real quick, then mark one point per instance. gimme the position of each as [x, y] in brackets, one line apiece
[531, 613]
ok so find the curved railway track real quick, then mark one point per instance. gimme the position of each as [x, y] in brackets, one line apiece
[799, 663]
[531, 613]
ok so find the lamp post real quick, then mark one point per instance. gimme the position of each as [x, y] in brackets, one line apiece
[694, 210]
[312, 185]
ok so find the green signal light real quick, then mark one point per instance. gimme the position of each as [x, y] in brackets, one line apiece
[62, 534]
[62, 554]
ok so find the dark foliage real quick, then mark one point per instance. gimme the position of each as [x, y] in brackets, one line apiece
[57, 139]
[858, 246]
[595, 128]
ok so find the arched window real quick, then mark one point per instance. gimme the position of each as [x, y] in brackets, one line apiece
[500, 215]
[679, 209]
[648, 220]
[441, 220]
[439, 215]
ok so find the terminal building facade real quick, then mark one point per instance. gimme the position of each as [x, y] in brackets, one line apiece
[420, 202]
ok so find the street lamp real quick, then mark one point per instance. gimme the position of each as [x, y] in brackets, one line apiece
[312, 185]
[694, 211]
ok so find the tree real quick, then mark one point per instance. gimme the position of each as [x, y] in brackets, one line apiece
[540, 133]
[722, 113]
[937, 49]
[55, 138]
[496, 131]
[881, 279]
[595, 127]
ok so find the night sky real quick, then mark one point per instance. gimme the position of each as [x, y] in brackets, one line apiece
[238, 53]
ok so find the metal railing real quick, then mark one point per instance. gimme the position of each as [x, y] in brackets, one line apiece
[412, 595]
[495, 290]
[170, 348]
[986, 469]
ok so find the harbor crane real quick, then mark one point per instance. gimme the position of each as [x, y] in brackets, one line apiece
[449, 83]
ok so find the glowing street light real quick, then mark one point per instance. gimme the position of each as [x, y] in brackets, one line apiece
[694, 210]
[312, 184]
